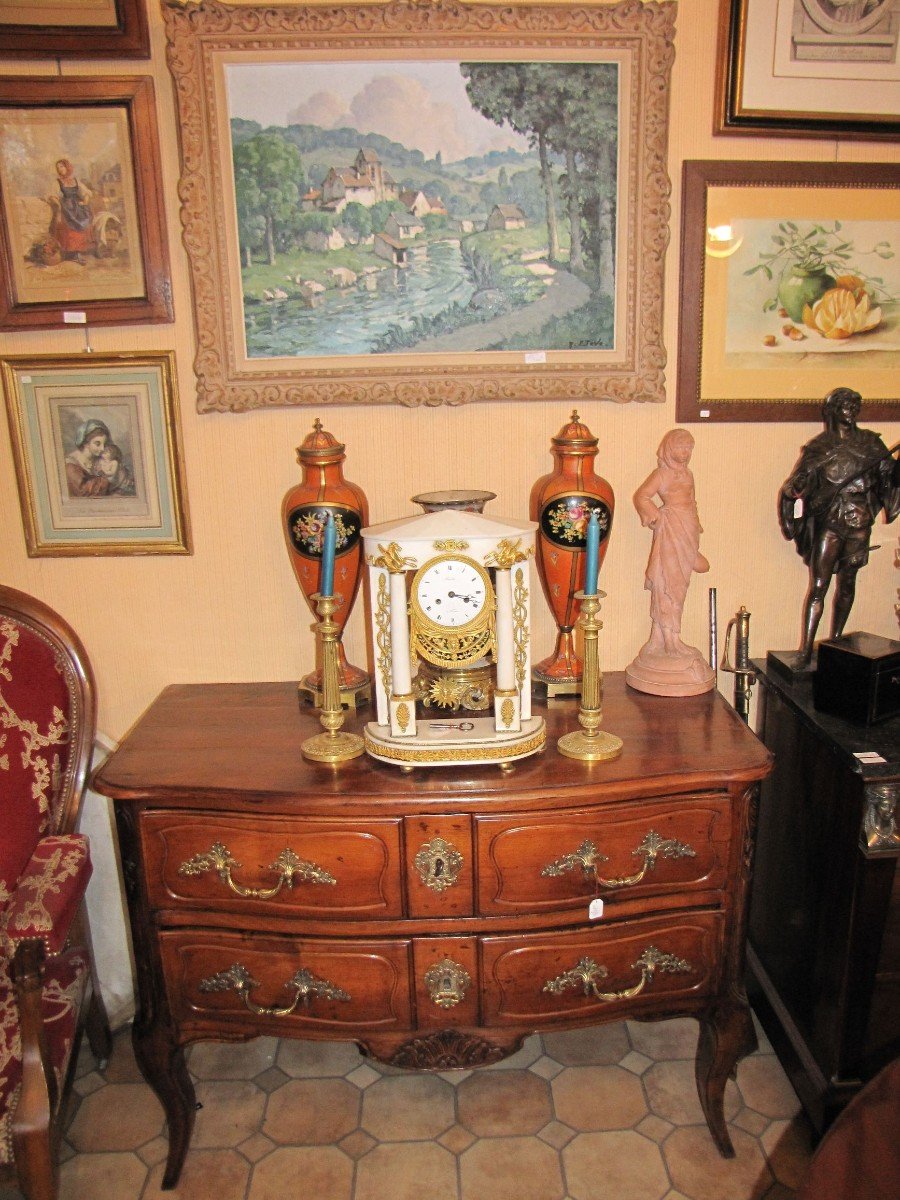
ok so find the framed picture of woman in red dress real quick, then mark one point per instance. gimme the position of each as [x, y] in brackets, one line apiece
[81, 215]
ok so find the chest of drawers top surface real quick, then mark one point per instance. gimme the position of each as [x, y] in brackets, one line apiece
[241, 742]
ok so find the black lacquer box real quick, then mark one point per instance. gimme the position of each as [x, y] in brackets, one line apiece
[858, 677]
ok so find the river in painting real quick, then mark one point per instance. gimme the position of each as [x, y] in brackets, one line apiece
[350, 320]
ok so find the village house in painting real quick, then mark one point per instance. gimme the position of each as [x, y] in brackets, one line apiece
[403, 225]
[366, 183]
[506, 216]
[390, 249]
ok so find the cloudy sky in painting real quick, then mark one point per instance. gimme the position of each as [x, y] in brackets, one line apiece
[422, 105]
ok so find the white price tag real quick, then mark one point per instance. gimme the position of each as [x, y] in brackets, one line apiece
[595, 910]
[536, 356]
[75, 318]
[870, 757]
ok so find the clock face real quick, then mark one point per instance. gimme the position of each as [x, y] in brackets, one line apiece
[451, 592]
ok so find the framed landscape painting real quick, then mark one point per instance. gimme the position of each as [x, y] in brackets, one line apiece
[809, 68]
[82, 237]
[74, 29]
[97, 453]
[790, 287]
[417, 204]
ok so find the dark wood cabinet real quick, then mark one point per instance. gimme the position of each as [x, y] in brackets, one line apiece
[824, 939]
[436, 917]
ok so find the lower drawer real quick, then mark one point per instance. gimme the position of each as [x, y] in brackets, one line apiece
[287, 983]
[655, 962]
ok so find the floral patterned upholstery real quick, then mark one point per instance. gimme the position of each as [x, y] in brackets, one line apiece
[47, 723]
[64, 984]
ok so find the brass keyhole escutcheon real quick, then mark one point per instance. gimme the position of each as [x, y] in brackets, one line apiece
[447, 983]
[438, 863]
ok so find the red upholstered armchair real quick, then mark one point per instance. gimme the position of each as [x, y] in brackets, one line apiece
[47, 993]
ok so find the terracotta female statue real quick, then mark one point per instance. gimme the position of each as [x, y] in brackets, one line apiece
[666, 666]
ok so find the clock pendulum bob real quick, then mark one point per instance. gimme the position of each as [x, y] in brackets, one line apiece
[561, 504]
[323, 489]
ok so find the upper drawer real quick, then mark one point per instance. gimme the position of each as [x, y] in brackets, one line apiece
[554, 863]
[304, 867]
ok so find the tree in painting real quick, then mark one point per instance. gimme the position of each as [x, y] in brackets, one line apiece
[570, 110]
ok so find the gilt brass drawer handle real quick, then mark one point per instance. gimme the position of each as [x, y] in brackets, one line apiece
[586, 973]
[447, 983]
[652, 847]
[289, 867]
[237, 978]
[438, 863]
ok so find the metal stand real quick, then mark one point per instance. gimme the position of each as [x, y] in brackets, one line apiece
[333, 746]
[590, 743]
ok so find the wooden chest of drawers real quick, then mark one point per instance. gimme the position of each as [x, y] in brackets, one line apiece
[436, 917]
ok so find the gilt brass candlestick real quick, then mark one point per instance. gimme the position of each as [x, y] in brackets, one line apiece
[590, 743]
[332, 746]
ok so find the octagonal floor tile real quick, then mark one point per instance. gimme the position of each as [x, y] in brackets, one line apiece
[595, 1098]
[322, 1171]
[676, 1038]
[765, 1087]
[510, 1169]
[672, 1093]
[232, 1060]
[138, 1113]
[604, 1044]
[219, 1173]
[406, 1171]
[617, 1165]
[231, 1112]
[506, 1103]
[299, 1058]
[101, 1176]
[406, 1108]
[312, 1112]
[698, 1170]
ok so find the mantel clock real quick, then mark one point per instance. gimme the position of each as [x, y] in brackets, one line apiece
[450, 611]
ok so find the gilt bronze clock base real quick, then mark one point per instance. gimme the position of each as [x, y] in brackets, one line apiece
[441, 743]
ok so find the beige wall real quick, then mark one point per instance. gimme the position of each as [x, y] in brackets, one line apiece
[232, 611]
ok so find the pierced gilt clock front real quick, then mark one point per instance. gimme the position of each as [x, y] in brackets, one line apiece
[450, 615]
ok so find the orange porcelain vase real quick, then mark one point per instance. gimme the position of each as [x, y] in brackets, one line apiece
[561, 503]
[324, 489]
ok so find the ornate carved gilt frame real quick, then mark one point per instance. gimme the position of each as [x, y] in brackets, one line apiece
[200, 37]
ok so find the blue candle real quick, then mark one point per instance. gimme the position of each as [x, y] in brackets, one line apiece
[592, 555]
[329, 545]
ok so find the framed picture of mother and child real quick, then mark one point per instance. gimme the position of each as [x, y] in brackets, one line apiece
[97, 453]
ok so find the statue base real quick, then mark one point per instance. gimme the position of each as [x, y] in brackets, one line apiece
[661, 674]
[787, 664]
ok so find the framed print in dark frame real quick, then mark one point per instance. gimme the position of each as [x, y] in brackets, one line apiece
[97, 452]
[82, 230]
[790, 286]
[74, 29]
[808, 68]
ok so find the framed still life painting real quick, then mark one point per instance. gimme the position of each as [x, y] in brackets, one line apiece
[74, 28]
[424, 203]
[82, 237]
[97, 453]
[790, 286]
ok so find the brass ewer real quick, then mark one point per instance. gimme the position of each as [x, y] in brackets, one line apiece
[590, 743]
[334, 745]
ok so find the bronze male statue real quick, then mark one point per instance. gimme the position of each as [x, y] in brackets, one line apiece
[828, 505]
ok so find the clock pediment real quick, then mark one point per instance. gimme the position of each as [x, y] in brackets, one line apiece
[429, 527]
